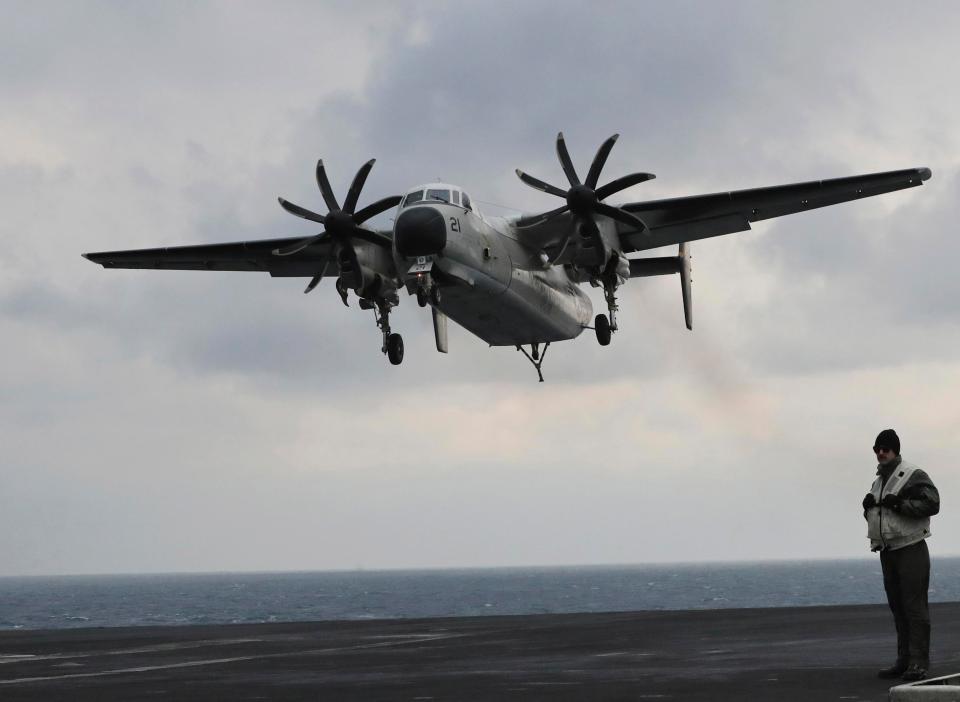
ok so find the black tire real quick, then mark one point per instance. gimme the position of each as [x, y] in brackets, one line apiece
[395, 349]
[421, 297]
[602, 326]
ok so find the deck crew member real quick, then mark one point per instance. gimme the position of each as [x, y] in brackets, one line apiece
[898, 510]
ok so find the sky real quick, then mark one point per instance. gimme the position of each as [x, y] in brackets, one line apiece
[158, 421]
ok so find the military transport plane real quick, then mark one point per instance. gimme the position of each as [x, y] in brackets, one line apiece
[512, 281]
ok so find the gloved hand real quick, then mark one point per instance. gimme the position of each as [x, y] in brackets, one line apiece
[891, 501]
[869, 501]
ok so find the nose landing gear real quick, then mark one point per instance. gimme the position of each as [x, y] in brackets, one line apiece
[427, 291]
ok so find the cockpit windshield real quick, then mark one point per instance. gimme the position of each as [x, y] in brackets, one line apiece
[413, 197]
[451, 196]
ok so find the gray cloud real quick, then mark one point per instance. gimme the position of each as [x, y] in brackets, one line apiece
[142, 409]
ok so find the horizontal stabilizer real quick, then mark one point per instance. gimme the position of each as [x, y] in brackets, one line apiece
[668, 265]
[659, 265]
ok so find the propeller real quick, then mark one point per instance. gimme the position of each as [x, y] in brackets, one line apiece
[585, 199]
[340, 223]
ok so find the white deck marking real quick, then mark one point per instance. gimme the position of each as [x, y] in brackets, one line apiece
[124, 651]
[236, 659]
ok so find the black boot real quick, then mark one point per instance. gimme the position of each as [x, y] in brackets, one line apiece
[894, 671]
[914, 672]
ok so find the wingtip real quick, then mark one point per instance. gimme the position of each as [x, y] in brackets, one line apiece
[925, 173]
[96, 258]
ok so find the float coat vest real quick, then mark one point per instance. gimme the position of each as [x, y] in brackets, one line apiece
[887, 528]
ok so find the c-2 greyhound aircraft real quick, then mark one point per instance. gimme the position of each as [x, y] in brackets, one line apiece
[512, 281]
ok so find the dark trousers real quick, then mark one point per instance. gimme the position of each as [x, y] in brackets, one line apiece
[906, 578]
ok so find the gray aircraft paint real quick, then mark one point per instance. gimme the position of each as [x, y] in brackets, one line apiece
[510, 281]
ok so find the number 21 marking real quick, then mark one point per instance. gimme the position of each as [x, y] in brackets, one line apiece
[454, 224]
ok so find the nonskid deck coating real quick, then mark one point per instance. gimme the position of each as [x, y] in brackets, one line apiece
[807, 653]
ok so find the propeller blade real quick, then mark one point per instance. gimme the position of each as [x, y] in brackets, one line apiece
[565, 161]
[376, 208]
[534, 220]
[324, 183]
[356, 186]
[620, 215]
[622, 183]
[313, 283]
[540, 185]
[373, 237]
[298, 245]
[300, 211]
[599, 160]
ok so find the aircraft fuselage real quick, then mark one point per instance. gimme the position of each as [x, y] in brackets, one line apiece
[481, 259]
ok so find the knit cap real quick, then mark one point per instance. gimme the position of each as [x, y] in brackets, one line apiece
[888, 439]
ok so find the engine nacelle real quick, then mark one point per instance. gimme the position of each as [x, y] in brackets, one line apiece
[364, 268]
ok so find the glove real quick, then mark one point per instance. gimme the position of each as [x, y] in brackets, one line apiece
[869, 501]
[892, 501]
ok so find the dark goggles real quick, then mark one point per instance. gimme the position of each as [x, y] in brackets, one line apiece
[881, 449]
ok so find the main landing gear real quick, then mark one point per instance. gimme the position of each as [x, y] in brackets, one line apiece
[535, 357]
[392, 343]
[395, 349]
[602, 325]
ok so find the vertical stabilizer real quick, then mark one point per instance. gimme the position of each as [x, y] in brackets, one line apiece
[440, 330]
[685, 281]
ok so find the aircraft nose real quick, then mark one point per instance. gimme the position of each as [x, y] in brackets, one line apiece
[420, 231]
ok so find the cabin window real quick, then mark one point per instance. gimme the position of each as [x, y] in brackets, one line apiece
[456, 197]
[466, 201]
[413, 197]
[441, 195]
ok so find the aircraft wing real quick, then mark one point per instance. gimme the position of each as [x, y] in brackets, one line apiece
[236, 256]
[682, 219]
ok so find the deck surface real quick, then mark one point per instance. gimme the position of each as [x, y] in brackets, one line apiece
[809, 653]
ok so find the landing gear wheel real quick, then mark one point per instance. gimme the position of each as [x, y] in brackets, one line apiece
[602, 326]
[395, 349]
[435, 295]
[421, 297]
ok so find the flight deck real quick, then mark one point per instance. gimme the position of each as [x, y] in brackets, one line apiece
[784, 654]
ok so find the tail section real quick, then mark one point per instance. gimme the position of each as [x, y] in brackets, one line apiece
[668, 265]
[440, 330]
[685, 280]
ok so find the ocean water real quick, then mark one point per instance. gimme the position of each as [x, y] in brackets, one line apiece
[180, 599]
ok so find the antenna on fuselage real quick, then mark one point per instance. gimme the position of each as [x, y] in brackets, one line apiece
[502, 207]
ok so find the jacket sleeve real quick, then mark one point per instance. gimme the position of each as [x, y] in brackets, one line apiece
[920, 497]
